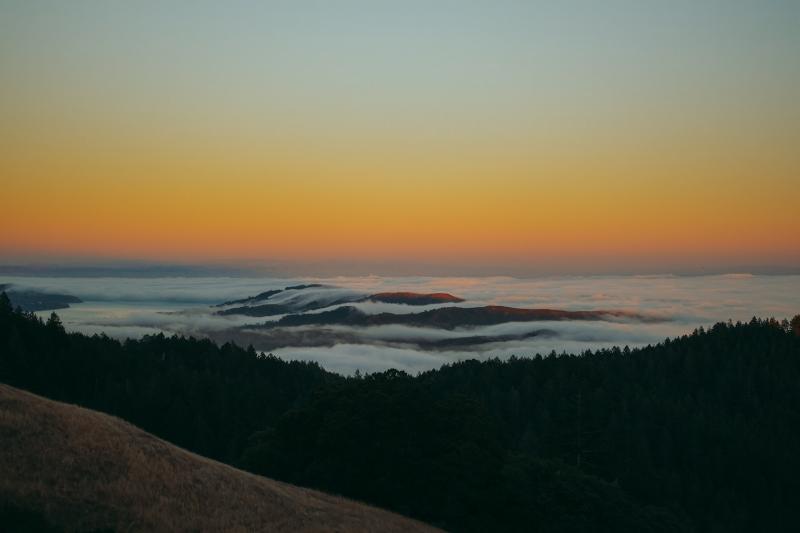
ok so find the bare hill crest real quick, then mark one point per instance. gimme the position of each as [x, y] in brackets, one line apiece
[84, 470]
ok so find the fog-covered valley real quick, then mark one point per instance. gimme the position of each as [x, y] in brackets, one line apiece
[374, 323]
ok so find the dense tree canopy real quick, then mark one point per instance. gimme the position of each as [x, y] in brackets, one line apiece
[695, 434]
[196, 394]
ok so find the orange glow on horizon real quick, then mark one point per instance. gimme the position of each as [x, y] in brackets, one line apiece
[221, 141]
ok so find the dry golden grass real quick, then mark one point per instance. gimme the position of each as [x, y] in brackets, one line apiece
[85, 470]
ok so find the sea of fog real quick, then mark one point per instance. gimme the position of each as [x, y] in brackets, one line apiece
[132, 307]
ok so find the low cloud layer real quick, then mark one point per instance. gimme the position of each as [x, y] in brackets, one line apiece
[123, 307]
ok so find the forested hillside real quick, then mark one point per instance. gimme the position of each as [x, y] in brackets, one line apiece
[696, 434]
[198, 395]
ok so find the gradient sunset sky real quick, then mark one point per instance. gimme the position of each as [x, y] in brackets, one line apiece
[660, 135]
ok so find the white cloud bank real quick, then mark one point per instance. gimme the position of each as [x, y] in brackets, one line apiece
[123, 307]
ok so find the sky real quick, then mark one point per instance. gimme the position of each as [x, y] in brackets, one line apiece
[614, 136]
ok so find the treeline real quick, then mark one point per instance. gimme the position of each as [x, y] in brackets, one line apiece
[207, 398]
[698, 433]
[705, 427]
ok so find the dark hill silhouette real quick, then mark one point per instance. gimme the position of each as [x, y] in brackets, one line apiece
[32, 300]
[296, 303]
[270, 339]
[250, 299]
[304, 286]
[414, 298]
[270, 293]
[258, 306]
[451, 317]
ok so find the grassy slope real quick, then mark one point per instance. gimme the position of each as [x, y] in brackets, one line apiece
[85, 470]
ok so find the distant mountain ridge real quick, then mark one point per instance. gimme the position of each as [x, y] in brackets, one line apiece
[414, 298]
[305, 317]
[451, 317]
[263, 304]
[33, 300]
[270, 339]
